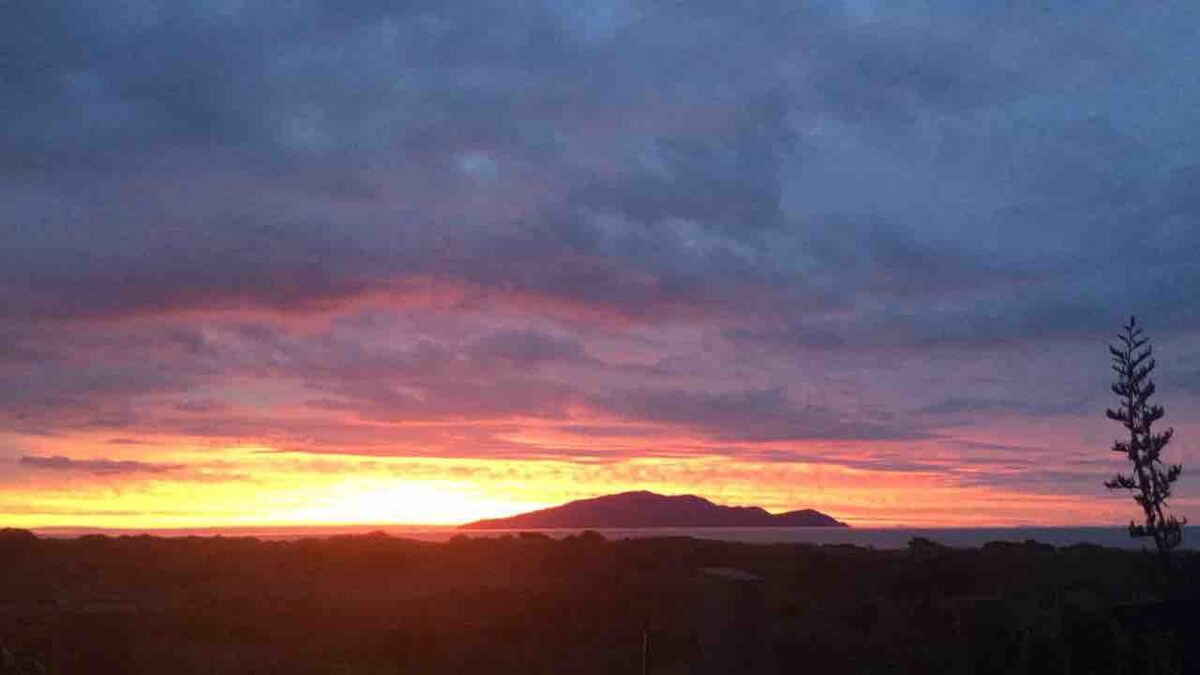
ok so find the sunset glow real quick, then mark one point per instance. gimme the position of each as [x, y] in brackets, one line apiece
[347, 263]
[206, 486]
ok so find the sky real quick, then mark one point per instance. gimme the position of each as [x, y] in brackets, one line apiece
[360, 261]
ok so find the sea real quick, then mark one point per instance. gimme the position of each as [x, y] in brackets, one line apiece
[877, 538]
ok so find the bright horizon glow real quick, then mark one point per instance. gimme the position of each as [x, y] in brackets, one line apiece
[261, 487]
[405, 503]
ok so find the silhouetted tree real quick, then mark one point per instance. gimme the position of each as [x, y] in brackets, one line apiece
[1150, 481]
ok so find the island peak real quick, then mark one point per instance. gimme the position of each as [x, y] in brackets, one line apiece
[645, 509]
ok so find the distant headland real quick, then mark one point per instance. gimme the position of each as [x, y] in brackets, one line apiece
[644, 509]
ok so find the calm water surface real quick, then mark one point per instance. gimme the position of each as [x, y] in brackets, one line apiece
[880, 538]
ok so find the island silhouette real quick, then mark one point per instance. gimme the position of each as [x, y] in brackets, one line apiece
[644, 509]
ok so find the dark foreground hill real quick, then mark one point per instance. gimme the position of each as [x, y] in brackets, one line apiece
[529, 604]
[647, 509]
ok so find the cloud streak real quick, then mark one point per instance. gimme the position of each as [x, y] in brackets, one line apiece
[104, 467]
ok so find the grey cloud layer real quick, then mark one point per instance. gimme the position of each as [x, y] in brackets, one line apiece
[812, 181]
[804, 159]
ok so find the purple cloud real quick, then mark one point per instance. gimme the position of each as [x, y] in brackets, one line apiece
[95, 466]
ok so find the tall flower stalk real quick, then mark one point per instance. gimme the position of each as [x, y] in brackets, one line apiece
[1150, 480]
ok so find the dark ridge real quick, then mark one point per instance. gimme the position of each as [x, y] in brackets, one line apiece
[647, 509]
[15, 534]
